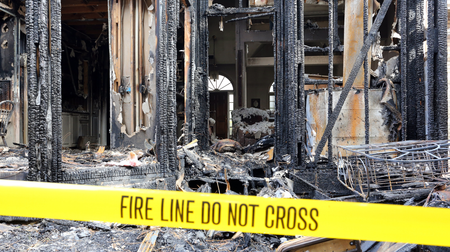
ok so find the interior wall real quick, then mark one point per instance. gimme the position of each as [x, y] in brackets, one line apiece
[221, 43]
[259, 80]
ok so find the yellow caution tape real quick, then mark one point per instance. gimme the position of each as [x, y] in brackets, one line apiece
[342, 220]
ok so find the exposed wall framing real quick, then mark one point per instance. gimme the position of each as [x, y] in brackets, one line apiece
[133, 41]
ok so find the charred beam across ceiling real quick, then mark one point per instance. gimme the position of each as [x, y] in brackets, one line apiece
[217, 10]
[43, 24]
[166, 143]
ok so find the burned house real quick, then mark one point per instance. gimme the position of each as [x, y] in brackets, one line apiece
[318, 74]
[325, 99]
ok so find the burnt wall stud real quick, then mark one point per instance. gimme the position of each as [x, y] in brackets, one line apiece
[366, 77]
[43, 24]
[201, 131]
[404, 63]
[331, 27]
[431, 40]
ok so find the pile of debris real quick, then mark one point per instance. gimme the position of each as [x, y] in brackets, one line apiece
[250, 125]
[226, 168]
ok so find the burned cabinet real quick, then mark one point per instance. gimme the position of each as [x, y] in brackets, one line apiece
[133, 77]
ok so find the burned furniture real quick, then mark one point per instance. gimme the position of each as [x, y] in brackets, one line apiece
[6, 110]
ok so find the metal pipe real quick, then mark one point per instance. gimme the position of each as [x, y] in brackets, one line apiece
[348, 85]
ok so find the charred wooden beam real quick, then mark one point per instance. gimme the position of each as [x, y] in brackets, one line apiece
[249, 17]
[331, 33]
[403, 61]
[289, 82]
[166, 143]
[201, 131]
[196, 75]
[430, 81]
[43, 19]
[217, 10]
[441, 101]
[414, 71]
[189, 64]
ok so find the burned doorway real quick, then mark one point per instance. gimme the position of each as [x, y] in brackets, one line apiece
[221, 104]
[85, 67]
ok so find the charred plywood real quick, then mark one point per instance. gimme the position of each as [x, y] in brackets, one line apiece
[133, 78]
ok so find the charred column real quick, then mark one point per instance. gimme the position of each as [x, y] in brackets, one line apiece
[43, 24]
[441, 101]
[196, 74]
[415, 71]
[167, 22]
[201, 131]
[404, 62]
[287, 89]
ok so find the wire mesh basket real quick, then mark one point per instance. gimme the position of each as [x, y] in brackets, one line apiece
[392, 166]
